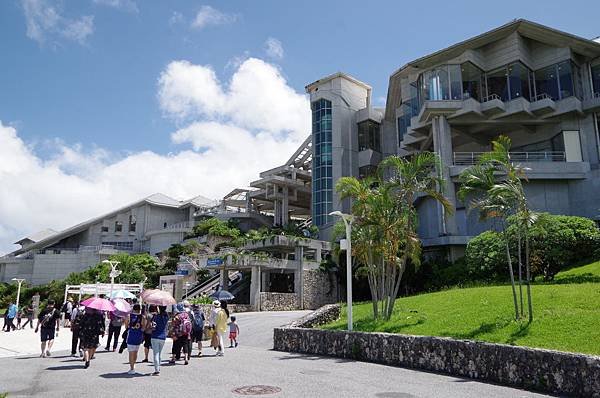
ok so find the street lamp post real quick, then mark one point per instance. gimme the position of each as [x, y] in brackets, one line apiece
[113, 274]
[19, 281]
[348, 219]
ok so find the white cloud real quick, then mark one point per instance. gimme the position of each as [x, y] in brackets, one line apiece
[209, 16]
[274, 48]
[126, 5]
[233, 132]
[45, 22]
[176, 18]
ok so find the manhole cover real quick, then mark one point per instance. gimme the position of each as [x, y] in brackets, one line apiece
[394, 395]
[257, 390]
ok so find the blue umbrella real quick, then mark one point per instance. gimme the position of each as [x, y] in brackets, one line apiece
[124, 294]
[222, 295]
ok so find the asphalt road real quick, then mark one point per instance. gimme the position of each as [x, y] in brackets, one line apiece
[252, 363]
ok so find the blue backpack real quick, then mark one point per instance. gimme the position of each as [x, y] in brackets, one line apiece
[198, 321]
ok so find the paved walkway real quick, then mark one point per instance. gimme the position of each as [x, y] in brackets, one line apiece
[252, 363]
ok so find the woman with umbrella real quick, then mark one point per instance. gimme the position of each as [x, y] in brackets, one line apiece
[221, 326]
[134, 325]
[91, 326]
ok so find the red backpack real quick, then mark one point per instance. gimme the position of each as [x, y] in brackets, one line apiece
[184, 325]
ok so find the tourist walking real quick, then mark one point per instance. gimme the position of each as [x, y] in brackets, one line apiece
[221, 326]
[234, 331]
[47, 325]
[76, 316]
[181, 329]
[114, 330]
[197, 327]
[188, 309]
[152, 310]
[11, 314]
[29, 314]
[67, 309]
[91, 327]
[135, 335]
[19, 316]
[159, 334]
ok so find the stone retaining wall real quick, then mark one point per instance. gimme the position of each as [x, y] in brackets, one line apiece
[270, 301]
[319, 289]
[544, 370]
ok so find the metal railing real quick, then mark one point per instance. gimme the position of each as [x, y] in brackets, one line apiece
[183, 224]
[471, 158]
[491, 97]
[540, 97]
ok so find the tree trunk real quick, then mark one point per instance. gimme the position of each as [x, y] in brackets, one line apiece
[528, 271]
[512, 278]
[402, 267]
[520, 272]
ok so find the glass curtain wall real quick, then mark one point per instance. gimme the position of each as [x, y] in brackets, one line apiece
[558, 81]
[518, 81]
[408, 109]
[368, 136]
[471, 81]
[322, 197]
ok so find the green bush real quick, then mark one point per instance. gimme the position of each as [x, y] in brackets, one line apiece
[215, 227]
[485, 257]
[556, 243]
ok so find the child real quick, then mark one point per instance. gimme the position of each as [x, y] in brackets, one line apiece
[234, 330]
[19, 315]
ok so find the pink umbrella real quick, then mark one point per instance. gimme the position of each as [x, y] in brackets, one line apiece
[101, 304]
[122, 307]
[159, 297]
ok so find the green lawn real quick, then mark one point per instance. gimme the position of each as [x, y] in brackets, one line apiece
[567, 315]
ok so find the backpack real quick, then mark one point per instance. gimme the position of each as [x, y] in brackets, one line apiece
[64, 307]
[47, 318]
[184, 327]
[198, 321]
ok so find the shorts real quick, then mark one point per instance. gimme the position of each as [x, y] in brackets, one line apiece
[197, 336]
[232, 335]
[47, 334]
[67, 316]
[133, 347]
[147, 340]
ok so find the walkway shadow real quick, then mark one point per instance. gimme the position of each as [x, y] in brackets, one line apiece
[67, 367]
[307, 357]
[123, 375]
[521, 332]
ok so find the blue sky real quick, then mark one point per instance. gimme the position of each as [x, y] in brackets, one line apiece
[105, 101]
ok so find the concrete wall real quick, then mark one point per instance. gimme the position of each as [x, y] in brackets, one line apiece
[48, 267]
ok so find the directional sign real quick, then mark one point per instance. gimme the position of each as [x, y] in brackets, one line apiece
[183, 272]
[211, 262]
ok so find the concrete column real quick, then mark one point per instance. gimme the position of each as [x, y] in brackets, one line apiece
[442, 146]
[255, 288]
[318, 254]
[285, 215]
[299, 276]
[223, 279]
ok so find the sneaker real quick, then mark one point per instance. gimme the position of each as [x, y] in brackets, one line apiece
[236, 344]
[80, 353]
[87, 364]
[144, 360]
[48, 353]
[185, 362]
[42, 355]
[231, 346]
[156, 374]
[74, 356]
[131, 372]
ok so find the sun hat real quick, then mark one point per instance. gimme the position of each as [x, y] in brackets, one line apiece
[186, 303]
[217, 303]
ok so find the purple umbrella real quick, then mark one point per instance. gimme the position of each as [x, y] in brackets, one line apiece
[100, 304]
[122, 307]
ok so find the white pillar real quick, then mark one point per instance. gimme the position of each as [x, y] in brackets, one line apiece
[255, 288]
[442, 146]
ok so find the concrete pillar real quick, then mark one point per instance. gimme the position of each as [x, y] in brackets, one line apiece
[299, 276]
[264, 281]
[223, 279]
[255, 288]
[442, 146]
[318, 254]
[285, 215]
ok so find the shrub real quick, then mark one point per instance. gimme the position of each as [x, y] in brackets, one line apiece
[485, 257]
[215, 227]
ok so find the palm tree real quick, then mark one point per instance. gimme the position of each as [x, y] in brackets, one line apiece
[500, 199]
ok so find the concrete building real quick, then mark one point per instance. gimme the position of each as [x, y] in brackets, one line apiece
[150, 225]
[539, 86]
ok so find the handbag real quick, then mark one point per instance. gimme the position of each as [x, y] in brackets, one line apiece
[214, 340]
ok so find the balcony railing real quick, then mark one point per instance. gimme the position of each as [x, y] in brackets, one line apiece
[471, 158]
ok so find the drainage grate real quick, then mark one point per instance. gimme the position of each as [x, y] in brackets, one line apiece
[256, 390]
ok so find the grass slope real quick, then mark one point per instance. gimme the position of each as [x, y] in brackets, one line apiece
[567, 315]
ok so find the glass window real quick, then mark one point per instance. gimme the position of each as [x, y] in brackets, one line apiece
[104, 228]
[497, 83]
[454, 73]
[368, 136]
[546, 82]
[596, 79]
[518, 75]
[565, 76]
[471, 81]
[322, 169]
[118, 226]
[435, 85]
[132, 223]
[367, 171]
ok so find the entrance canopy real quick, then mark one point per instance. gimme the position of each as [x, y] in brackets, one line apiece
[102, 288]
